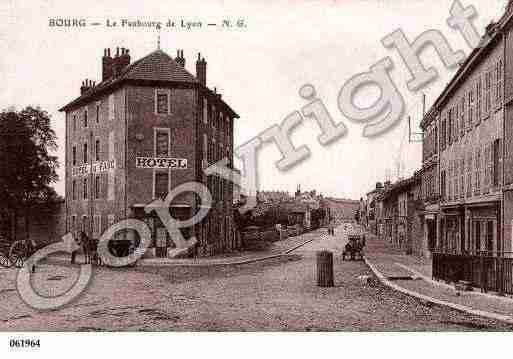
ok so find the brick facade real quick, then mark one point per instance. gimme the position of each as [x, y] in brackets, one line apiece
[152, 109]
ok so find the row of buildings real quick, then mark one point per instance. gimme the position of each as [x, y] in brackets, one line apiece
[461, 199]
[146, 128]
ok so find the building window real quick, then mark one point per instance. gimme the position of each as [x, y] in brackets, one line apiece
[449, 127]
[443, 135]
[462, 177]
[470, 109]
[85, 152]
[478, 100]
[213, 118]
[488, 85]
[205, 111]
[477, 236]
[443, 185]
[97, 225]
[97, 113]
[84, 223]
[161, 184]
[97, 149]
[73, 222]
[162, 101]
[74, 190]
[205, 147]
[489, 237]
[462, 114]
[469, 174]
[97, 184]
[74, 123]
[456, 179]
[496, 161]
[85, 117]
[435, 143]
[162, 142]
[488, 166]
[456, 133]
[477, 164]
[84, 187]
[499, 83]
[74, 155]
[111, 107]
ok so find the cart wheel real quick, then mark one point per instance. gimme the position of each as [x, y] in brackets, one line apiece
[17, 261]
[4, 261]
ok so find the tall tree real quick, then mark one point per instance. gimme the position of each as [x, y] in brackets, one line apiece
[27, 168]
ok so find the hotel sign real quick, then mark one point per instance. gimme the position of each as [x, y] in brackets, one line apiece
[96, 167]
[160, 162]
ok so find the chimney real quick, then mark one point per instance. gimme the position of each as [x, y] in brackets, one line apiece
[107, 64]
[201, 70]
[120, 61]
[115, 64]
[180, 59]
[86, 86]
[124, 59]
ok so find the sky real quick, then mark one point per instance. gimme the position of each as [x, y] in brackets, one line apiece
[258, 68]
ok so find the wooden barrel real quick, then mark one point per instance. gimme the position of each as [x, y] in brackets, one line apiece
[325, 269]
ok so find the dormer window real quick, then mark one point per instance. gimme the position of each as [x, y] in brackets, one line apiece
[162, 102]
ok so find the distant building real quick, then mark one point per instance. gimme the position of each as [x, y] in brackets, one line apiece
[368, 208]
[273, 196]
[401, 215]
[342, 209]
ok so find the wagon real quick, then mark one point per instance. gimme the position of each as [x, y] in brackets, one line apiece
[354, 247]
[14, 253]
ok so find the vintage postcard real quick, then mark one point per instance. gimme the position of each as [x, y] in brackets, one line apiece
[254, 166]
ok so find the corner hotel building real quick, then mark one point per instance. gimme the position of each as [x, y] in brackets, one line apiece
[146, 128]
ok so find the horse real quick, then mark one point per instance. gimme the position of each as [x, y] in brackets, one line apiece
[90, 249]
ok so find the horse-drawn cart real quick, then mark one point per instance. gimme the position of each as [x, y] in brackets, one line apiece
[14, 253]
[354, 246]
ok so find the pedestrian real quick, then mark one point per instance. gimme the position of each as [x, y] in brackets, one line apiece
[331, 228]
[74, 252]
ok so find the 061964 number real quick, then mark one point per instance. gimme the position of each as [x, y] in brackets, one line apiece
[24, 343]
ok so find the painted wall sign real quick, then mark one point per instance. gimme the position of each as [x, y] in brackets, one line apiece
[160, 162]
[96, 167]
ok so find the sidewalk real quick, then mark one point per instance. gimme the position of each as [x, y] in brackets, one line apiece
[412, 276]
[277, 249]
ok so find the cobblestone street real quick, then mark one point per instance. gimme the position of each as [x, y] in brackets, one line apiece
[274, 294]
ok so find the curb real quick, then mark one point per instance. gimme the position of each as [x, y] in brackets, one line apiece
[234, 263]
[458, 307]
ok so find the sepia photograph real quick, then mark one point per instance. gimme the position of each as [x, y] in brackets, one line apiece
[301, 170]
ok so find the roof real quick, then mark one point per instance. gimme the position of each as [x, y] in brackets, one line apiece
[493, 30]
[157, 66]
[399, 186]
